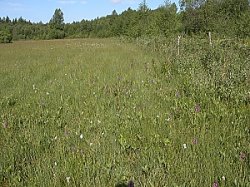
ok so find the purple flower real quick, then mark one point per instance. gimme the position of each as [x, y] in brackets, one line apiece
[215, 184]
[177, 94]
[131, 184]
[197, 108]
[194, 141]
[243, 156]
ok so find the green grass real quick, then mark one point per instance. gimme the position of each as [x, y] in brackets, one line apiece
[101, 112]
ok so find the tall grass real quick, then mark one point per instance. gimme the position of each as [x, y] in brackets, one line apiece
[104, 112]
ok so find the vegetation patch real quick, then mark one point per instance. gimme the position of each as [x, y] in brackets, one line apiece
[124, 116]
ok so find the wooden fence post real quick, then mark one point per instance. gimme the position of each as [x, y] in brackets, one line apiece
[210, 38]
[178, 44]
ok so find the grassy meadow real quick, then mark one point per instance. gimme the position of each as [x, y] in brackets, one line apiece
[103, 112]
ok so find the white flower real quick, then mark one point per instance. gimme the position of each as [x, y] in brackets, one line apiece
[185, 146]
[98, 121]
[55, 138]
[91, 144]
[67, 179]
[47, 93]
[223, 178]
[81, 136]
[55, 163]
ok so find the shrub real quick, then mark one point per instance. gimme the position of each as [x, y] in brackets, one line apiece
[5, 37]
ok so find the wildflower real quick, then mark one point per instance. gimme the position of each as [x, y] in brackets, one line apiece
[55, 163]
[223, 178]
[91, 144]
[168, 119]
[243, 156]
[55, 138]
[215, 184]
[194, 141]
[131, 184]
[185, 146]
[197, 108]
[81, 136]
[98, 121]
[47, 93]
[177, 94]
[34, 87]
[67, 179]
[5, 124]
[66, 133]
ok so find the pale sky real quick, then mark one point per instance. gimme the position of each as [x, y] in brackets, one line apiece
[74, 10]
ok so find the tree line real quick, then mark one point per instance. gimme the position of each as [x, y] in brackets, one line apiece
[226, 18]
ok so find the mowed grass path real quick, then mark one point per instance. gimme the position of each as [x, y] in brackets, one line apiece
[95, 112]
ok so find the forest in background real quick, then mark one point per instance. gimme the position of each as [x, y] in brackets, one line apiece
[224, 18]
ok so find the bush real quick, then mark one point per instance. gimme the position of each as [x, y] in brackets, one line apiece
[56, 34]
[5, 37]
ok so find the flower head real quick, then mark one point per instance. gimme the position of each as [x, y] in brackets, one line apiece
[131, 184]
[81, 136]
[185, 146]
[243, 156]
[215, 184]
[5, 124]
[177, 94]
[67, 179]
[197, 108]
[194, 141]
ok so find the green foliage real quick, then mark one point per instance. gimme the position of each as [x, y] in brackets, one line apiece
[226, 17]
[5, 37]
[55, 34]
[57, 21]
[124, 115]
[143, 7]
[197, 17]
[56, 24]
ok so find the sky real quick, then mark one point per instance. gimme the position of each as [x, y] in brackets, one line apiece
[74, 10]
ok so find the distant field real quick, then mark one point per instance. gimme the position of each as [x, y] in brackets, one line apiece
[100, 112]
